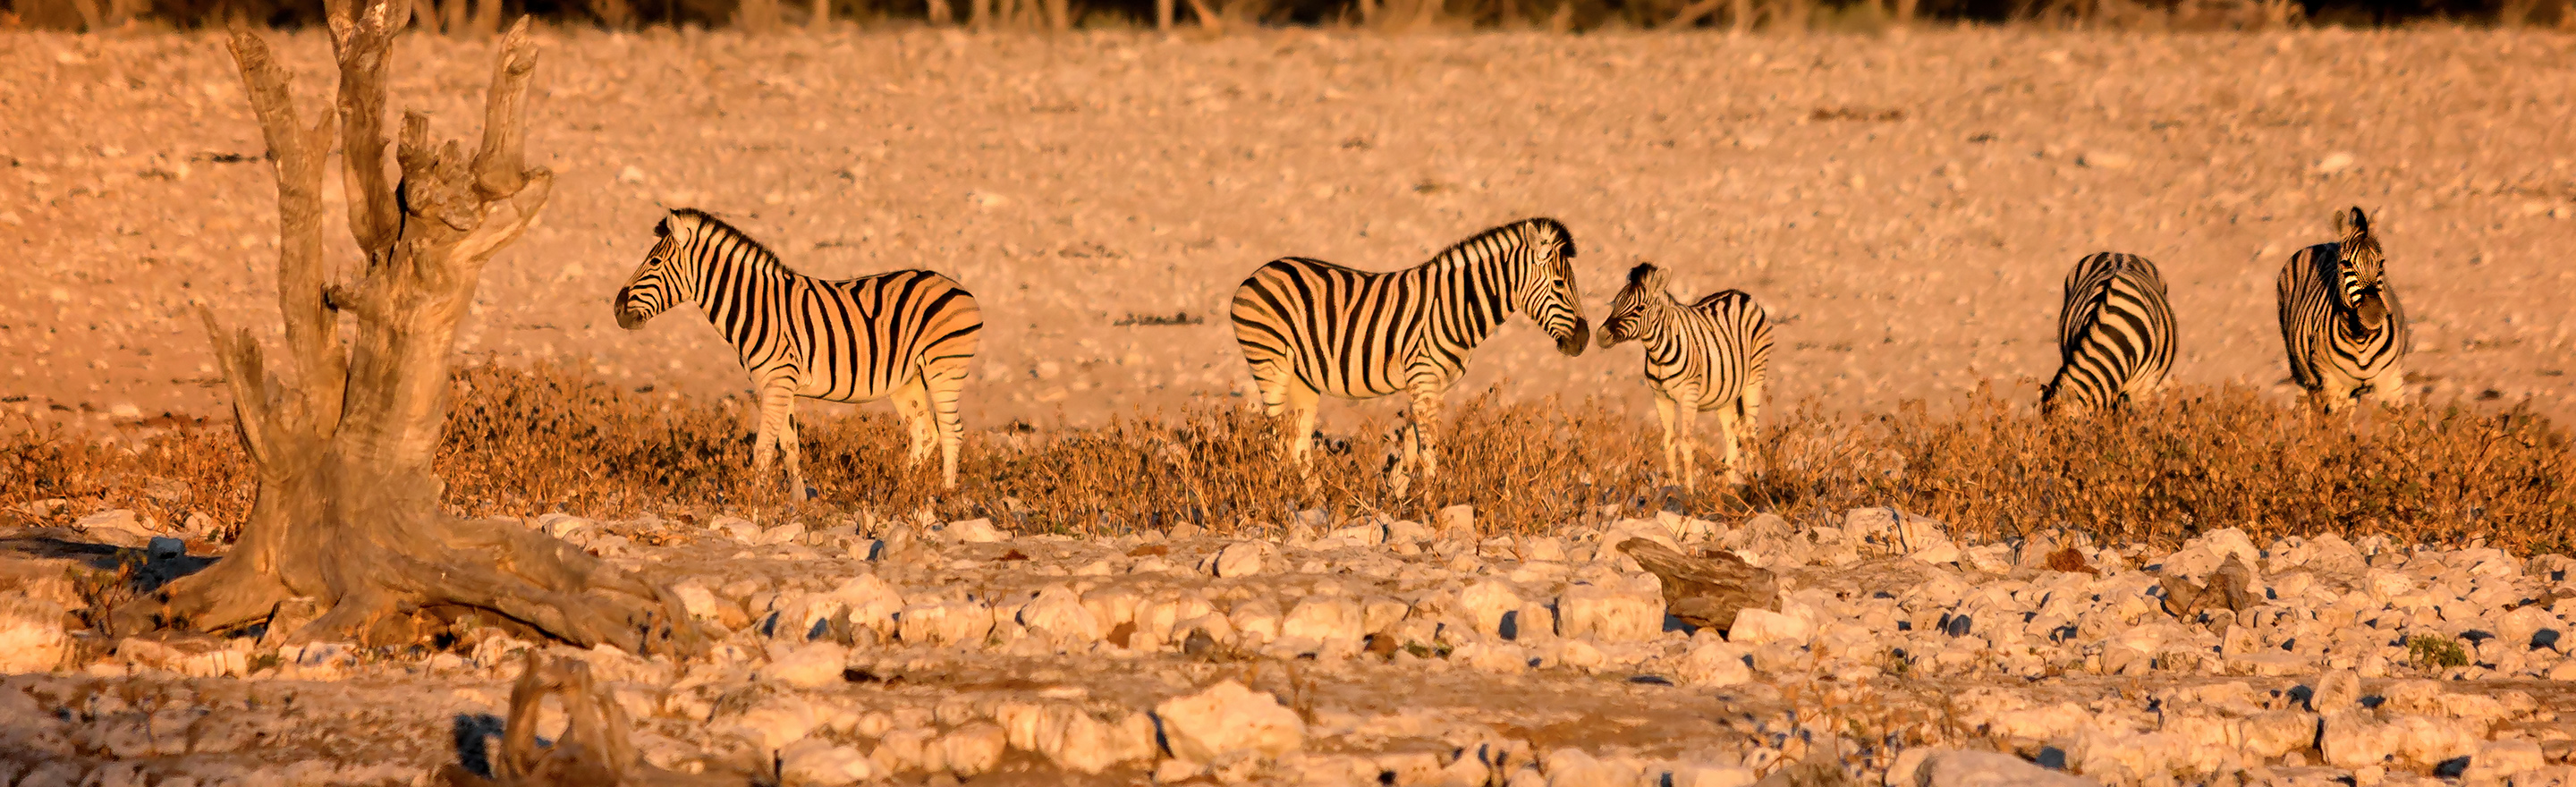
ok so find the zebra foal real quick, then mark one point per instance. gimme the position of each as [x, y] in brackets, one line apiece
[905, 334]
[1310, 328]
[1711, 354]
[2344, 330]
[2115, 335]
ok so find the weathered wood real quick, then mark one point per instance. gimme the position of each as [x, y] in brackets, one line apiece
[1705, 592]
[347, 520]
[2230, 588]
[594, 750]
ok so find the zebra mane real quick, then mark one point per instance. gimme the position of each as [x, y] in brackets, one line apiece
[1564, 238]
[730, 231]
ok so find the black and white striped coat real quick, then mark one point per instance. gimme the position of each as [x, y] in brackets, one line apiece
[2115, 335]
[1310, 328]
[1712, 354]
[907, 334]
[2346, 334]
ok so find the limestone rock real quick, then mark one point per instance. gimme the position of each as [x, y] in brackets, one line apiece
[972, 749]
[818, 762]
[1762, 627]
[1227, 721]
[1714, 663]
[31, 635]
[1330, 620]
[1987, 769]
[812, 665]
[945, 623]
[1485, 603]
[117, 528]
[1058, 612]
[1241, 559]
[1617, 611]
[973, 531]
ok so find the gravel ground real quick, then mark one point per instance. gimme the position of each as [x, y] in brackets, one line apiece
[1904, 206]
[1396, 652]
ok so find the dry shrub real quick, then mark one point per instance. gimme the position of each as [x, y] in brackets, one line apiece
[525, 441]
[185, 468]
[2198, 459]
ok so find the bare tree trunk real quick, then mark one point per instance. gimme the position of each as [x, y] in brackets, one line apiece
[347, 515]
[1163, 15]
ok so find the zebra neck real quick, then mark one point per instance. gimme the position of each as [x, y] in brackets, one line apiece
[1468, 299]
[738, 290]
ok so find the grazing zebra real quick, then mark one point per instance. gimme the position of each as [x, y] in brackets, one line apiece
[905, 334]
[2345, 332]
[1713, 354]
[2115, 335]
[1310, 328]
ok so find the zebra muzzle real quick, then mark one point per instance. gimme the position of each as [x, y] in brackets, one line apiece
[1572, 343]
[626, 317]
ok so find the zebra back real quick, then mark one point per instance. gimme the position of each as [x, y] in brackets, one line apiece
[2339, 317]
[1355, 333]
[843, 340]
[2115, 334]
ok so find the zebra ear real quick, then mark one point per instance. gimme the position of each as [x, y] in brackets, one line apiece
[2351, 222]
[1646, 275]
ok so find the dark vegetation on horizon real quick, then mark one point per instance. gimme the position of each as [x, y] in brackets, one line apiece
[527, 441]
[484, 16]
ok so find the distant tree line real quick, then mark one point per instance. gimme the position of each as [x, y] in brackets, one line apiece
[484, 17]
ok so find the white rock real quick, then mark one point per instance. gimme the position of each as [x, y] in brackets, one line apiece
[2333, 163]
[1714, 663]
[1574, 768]
[1458, 520]
[1762, 627]
[906, 749]
[818, 762]
[1241, 559]
[737, 528]
[1228, 721]
[1059, 612]
[1884, 531]
[973, 531]
[1622, 610]
[1331, 620]
[31, 634]
[1255, 621]
[2500, 759]
[1073, 738]
[1987, 769]
[945, 623]
[812, 665]
[1702, 775]
[778, 721]
[118, 528]
[870, 602]
[1500, 658]
[972, 749]
[2335, 692]
[1485, 603]
[782, 534]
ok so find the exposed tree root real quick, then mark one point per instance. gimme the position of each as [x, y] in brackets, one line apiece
[593, 751]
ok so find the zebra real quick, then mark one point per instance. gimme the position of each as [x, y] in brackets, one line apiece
[1309, 328]
[2115, 335]
[1712, 354]
[907, 334]
[2344, 330]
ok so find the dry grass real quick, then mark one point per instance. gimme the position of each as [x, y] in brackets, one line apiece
[522, 442]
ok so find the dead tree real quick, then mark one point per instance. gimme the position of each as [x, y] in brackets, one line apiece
[347, 521]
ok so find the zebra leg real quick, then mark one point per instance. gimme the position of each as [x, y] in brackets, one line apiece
[1731, 428]
[1685, 418]
[912, 402]
[1425, 413]
[2389, 388]
[952, 428]
[1672, 445]
[778, 431]
[1300, 404]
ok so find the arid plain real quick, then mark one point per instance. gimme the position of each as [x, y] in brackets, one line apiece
[1904, 205]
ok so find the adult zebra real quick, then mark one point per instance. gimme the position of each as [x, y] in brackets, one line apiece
[2115, 335]
[905, 334]
[2342, 325]
[1310, 328]
[1712, 354]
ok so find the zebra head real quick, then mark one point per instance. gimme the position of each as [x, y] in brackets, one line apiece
[1547, 293]
[2361, 269]
[663, 280]
[1628, 308]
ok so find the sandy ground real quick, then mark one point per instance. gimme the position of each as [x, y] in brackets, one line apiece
[1904, 206]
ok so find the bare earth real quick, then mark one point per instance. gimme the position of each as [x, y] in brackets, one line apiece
[1904, 206]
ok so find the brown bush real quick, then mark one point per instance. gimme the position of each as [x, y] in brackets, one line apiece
[526, 441]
